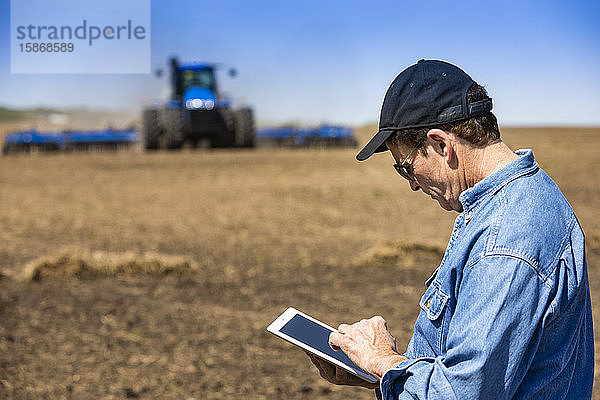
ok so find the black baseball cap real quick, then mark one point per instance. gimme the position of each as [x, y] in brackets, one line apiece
[428, 93]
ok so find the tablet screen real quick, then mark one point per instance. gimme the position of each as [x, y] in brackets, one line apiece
[314, 335]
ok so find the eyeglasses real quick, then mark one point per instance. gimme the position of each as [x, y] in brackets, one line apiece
[405, 170]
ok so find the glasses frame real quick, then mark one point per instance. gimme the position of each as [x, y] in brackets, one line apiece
[404, 169]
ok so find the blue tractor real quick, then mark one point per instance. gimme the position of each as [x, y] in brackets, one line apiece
[196, 113]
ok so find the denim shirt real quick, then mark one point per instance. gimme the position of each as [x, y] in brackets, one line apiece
[507, 315]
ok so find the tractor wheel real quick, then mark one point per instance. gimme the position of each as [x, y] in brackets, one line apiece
[244, 127]
[151, 130]
[173, 136]
[226, 136]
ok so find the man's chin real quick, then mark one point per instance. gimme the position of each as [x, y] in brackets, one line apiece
[442, 202]
[445, 205]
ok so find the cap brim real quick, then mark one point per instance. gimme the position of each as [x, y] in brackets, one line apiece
[375, 145]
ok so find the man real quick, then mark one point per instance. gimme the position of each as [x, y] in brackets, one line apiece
[507, 314]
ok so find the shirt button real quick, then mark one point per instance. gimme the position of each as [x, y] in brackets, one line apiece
[467, 218]
[428, 305]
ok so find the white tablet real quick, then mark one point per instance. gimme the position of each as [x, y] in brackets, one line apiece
[313, 336]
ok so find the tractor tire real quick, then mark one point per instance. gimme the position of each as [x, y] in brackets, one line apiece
[226, 136]
[173, 132]
[151, 129]
[244, 127]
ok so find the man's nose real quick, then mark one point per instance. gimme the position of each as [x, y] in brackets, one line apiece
[414, 185]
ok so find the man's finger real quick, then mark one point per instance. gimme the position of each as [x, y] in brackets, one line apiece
[343, 328]
[342, 375]
[335, 340]
[326, 369]
[322, 365]
[379, 320]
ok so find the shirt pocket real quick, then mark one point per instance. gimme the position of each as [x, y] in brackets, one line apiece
[431, 320]
[434, 301]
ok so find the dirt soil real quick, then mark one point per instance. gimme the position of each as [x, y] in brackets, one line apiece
[265, 229]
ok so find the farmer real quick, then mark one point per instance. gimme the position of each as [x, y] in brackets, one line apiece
[507, 314]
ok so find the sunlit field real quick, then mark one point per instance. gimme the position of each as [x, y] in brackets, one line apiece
[157, 273]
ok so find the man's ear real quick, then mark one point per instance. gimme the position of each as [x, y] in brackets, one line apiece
[442, 144]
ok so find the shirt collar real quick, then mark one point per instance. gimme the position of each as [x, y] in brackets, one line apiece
[495, 181]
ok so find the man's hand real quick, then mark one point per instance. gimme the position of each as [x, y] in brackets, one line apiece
[337, 375]
[368, 344]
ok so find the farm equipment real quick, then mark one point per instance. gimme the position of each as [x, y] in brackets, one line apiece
[322, 136]
[34, 141]
[196, 113]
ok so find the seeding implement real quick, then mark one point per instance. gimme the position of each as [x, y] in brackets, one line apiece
[34, 141]
[322, 136]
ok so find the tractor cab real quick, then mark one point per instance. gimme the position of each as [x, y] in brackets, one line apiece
[198, 75]
[195, 85]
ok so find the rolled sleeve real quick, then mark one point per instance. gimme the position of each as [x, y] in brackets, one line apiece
[491, 335]
[424, 370]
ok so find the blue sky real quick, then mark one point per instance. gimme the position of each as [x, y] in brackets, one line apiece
[332, 61]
